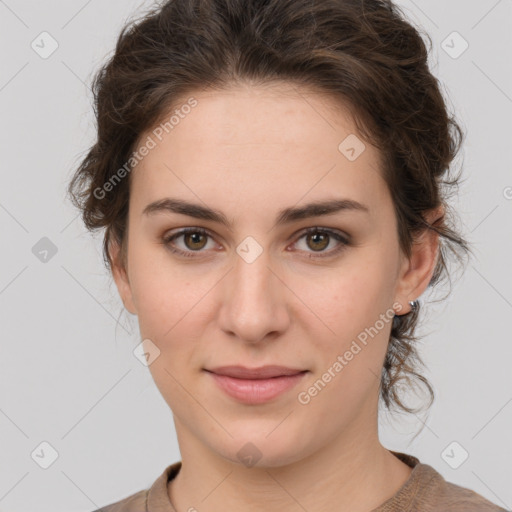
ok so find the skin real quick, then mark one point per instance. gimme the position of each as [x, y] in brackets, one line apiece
[249, 152]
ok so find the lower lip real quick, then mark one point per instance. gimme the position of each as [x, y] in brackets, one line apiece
[256, 391]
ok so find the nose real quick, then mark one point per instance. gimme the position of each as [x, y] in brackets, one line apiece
[254, 306]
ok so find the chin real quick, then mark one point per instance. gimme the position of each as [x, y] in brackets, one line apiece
[257, 450]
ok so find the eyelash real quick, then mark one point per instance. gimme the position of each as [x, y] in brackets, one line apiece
[166, 240]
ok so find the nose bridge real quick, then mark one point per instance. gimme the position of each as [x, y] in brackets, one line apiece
[253, 303]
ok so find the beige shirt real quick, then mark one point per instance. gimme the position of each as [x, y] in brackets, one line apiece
[425, 491]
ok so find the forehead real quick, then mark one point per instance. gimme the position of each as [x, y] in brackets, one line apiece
[258, 141]
[257, 114]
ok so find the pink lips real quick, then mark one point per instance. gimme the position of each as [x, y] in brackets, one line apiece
[257, 385]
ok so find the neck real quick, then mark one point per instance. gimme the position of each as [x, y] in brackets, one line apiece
[355, 476]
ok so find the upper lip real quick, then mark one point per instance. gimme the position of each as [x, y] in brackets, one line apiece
[263, 372]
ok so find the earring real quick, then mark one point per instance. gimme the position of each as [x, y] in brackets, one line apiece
[396, 319]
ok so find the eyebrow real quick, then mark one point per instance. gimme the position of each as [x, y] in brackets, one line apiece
[285, 216]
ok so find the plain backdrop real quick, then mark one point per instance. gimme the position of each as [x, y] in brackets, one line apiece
[72, 394]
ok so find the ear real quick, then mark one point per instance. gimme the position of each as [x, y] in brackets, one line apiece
[416, 272]
[120, 275]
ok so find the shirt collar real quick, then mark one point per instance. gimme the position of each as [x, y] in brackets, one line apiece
[158, 497]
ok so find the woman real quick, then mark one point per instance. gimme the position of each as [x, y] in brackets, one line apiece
[269, 174]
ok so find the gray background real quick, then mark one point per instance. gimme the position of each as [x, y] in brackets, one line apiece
[68, 374]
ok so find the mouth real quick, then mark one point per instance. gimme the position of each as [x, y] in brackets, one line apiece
[263, 372]
[257, 385]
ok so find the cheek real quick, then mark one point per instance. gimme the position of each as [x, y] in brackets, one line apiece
[166, 311]
[350, 330]
[164, 294]
[171, 313]
[345, 301]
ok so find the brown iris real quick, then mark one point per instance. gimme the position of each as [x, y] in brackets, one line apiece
[195, 236]
[322, 238]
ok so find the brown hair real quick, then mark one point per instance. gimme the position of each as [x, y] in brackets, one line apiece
[362, 52]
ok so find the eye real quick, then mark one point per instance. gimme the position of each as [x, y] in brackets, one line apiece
[319, 238]
[195, 239]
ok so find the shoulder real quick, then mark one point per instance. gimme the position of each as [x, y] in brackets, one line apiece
[435, 493]
[426, 490]
[133, 503]
[153, 498]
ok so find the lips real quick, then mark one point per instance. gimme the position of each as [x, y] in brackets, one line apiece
[256, 386]
[264, 372]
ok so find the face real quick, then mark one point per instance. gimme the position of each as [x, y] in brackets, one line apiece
[259, 289]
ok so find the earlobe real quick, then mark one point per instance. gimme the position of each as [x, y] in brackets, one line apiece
[120, 275]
